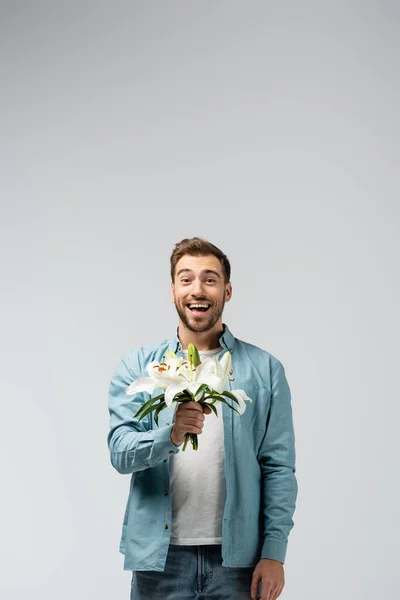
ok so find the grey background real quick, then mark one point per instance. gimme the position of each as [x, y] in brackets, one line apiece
[271, 129]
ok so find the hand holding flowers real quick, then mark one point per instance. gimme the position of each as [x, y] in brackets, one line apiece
[189, 418]
[188, 381]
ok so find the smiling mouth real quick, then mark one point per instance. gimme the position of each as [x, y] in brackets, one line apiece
[198, 309]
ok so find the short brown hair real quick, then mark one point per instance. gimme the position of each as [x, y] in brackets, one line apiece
[196, 246]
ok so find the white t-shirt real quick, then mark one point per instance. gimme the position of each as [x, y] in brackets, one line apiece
[197, 483]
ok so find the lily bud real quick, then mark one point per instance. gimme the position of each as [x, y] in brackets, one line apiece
[193, 355]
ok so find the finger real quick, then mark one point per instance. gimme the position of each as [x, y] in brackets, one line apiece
[188, 427]
[254, 587]
[193, 406]
[271, 594]
[206, 410]
[266, 592]
[279, 592]
[195, 430]
[191, 418]
[193, 413]
[191, 427]
[274, 595]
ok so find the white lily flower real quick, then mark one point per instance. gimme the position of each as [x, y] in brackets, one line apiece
[174, 376]
[161, 375]
[192, 378]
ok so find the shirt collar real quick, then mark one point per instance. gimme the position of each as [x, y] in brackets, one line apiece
[226, 340]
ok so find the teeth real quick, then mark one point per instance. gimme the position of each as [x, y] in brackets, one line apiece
[198, 305]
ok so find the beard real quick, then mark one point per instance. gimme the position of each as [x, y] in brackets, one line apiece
[199, 324]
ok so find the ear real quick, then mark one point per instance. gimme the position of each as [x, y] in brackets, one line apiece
[228, 291]
[173, 293]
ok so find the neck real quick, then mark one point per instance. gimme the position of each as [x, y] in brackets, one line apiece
[203, 340]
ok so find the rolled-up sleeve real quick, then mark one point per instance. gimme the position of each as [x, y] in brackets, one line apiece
[277, 459]
[133, 444]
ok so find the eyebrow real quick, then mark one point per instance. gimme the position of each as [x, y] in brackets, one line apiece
[205, 271]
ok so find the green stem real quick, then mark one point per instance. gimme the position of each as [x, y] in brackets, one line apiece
[187, 438]
[193, 439]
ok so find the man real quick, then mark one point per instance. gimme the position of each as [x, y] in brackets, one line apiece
[212, 523]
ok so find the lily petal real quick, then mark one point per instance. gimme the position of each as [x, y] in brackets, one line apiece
[207, 367]
[241, 397]
[173, 365]
[225, 364]
[150, 367]
[186, 372]
[143, 384]
[172, 390]
[162, 378]
[214, 382]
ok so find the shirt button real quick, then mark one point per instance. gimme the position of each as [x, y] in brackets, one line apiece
[165, 492]
[165, 526]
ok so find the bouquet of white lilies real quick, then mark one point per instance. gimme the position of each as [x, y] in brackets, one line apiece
[186, 381]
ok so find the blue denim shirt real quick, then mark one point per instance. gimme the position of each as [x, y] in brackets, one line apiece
[261, 486]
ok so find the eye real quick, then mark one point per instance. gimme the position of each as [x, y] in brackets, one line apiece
[210, 279]
[184, 279]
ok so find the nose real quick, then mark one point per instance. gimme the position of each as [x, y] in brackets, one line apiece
[197, 289]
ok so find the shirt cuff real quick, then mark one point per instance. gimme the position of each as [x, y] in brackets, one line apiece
[163, 445]
[275, 549]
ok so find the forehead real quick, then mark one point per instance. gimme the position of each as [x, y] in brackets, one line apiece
[199, 263]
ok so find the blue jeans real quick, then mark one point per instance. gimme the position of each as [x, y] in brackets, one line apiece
[193, 573]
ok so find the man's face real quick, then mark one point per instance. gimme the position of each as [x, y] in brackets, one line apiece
[200, 280]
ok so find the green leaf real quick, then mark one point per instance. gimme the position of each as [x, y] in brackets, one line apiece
[148, 403]
[231, 396]
[221, 399]
[148, 410]
[218, 397]
[157, 397]
[213, 408]
[159, 408]
[203, 387]
[185, 399]
[180, 394]
[215, 394]
[210, 399]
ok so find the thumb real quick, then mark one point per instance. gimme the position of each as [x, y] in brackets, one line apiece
[206, 410]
